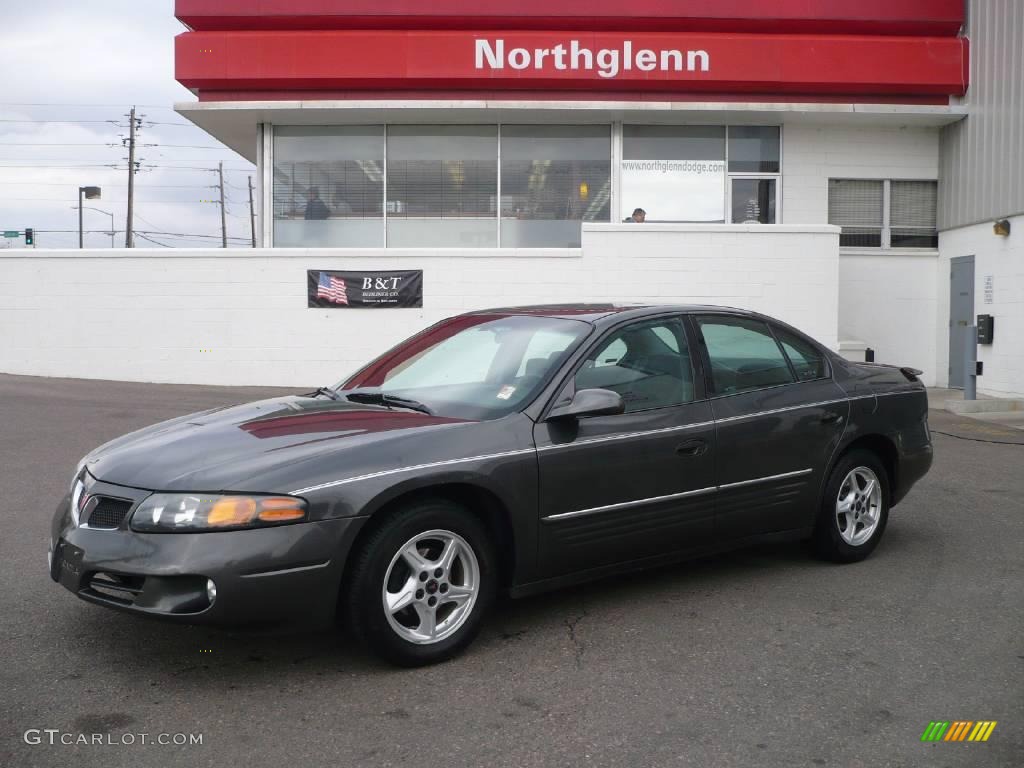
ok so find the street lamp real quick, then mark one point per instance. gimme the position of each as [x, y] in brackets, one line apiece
[98, 210]
[90, 193]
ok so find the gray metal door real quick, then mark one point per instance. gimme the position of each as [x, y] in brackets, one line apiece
[961, 314]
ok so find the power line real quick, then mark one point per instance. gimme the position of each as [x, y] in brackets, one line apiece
[107, 200]
[85, 144]
[144, 237]
[144, 232]
[67, 184]
[112, 144]
[86, 106]
[40, 164]
[76, 122]
[54, 165]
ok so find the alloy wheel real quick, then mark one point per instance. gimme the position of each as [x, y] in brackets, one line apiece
[431, 587]
[859, 506]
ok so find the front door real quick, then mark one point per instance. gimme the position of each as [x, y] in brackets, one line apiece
[961, 316]
[637, 484]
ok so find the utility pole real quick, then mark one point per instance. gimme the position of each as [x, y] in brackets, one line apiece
[223, 212]
[252, 214]
[129, 236]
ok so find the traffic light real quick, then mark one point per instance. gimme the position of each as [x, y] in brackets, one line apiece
[30, 237]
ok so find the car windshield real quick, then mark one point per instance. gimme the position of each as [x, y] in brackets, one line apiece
[474, 367]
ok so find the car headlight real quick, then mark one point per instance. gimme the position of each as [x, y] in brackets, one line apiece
[76, 499]
[195, 513]
[78, 472]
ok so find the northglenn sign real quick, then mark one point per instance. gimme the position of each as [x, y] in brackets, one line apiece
[607, 62]
[277, 64]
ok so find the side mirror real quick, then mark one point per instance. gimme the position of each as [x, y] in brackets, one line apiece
[590, 402]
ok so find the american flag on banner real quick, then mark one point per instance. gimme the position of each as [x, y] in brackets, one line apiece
[332, 288]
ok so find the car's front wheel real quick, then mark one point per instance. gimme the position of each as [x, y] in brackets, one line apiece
[421, 583]
[854, 509]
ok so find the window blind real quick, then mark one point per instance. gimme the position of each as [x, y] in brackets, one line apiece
[856, 206]
[912, 216]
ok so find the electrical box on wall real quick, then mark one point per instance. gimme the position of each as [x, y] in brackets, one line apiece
[986, 329]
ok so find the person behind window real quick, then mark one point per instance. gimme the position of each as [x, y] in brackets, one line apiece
[316, 209]
[639, 217]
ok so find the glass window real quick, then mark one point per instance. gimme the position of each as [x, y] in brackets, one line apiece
[808, 362]
[753, 201]
[545, 351]
[743, 355]
[674, 172]
[753, 149]
[442, 186]
[474, 366]
[552, 178]
[641, 365]
[856, 206]
[912, 216]
[329, 186]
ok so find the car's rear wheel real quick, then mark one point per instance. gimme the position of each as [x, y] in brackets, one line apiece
[421, 583]
[854, 508]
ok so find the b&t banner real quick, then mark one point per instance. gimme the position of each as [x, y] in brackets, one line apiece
[372, 290]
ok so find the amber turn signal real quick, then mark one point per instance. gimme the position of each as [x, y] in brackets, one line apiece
[281, 510]
[232, 510]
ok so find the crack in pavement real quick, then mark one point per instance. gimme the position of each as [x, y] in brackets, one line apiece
[570, 625]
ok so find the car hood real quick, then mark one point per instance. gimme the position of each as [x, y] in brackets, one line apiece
[244, 447]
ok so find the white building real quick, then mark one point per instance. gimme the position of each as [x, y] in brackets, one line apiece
[833, 169]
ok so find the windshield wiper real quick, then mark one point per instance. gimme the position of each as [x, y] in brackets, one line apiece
[326, 392]
[383, 398]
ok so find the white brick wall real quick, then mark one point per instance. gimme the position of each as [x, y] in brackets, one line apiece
[788, 272]
[240, 317]
[1003, 259]
[888, 301]
[813, 154]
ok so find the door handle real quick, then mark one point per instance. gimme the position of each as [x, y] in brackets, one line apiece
[832, 418]
[692, 448]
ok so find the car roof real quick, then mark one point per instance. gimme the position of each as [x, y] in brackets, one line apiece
[595, 312]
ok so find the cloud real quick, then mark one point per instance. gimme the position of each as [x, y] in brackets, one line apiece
[80, 67]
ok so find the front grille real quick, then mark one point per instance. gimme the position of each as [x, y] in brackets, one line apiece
[109, 513]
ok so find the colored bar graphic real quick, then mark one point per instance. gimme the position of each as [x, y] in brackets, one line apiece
[958, 730]
[982, 731]
[935, 731]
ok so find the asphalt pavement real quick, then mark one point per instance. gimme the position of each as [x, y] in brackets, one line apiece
[759, 658]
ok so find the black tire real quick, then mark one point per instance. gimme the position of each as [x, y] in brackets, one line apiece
[830, 539]
[364, 596]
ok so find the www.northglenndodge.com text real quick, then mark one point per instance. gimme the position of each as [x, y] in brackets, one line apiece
[607, 62]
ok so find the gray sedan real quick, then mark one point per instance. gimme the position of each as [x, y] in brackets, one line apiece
[509, 450]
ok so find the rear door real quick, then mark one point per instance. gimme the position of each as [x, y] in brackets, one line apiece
[779, 417]
[637, 484]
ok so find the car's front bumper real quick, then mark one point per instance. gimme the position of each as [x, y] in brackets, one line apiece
[289, 573]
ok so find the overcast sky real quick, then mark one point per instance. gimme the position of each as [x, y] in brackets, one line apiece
[69, 72]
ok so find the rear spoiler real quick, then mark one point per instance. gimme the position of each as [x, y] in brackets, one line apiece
[910, 374]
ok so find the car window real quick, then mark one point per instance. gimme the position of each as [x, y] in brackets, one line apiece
[544, 349]
[647, 363]
[667, 336]
[743, 355]
[475, 349]
[807, 361]
[481, 366]
[611, 354]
